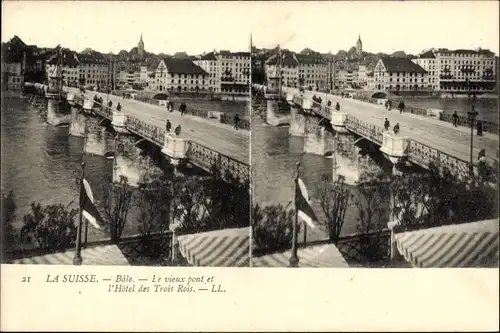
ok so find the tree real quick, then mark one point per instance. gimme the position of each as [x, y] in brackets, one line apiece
[8, 210]
[407, 198]
[438, 197]
[272, 228]
[334, 198]
[116, 203]
[51, 226]
[228, 198]
[189, 210]
[372, 191]
[154, 201]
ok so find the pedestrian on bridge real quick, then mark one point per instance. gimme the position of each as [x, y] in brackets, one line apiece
[337, 106]
[455, 119]
[401, 107]
[182, 108]
[168, 126]
[178, 130]
[236, 121]
[118, 107]
[396, 128]
[110, 103]
[387, 124]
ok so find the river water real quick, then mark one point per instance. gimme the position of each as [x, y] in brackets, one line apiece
[486, 107]
[41, 163]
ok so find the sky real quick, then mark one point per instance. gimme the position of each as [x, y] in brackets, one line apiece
[196, 27]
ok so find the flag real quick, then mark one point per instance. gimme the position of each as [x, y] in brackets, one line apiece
[87, 206]
[303, 204]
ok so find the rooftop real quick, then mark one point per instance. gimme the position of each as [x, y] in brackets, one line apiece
[68, 58]
[401, 65]
[182, 66]
[91, 57]
[287, 59]
[209, 56]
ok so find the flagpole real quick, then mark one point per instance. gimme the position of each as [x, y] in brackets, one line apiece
[83, 155]
[77, 259]
[294, 259]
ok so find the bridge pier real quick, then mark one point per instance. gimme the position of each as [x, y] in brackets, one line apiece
[394, 147]
[78, 119]
[53, 118]
[132, 162]
[338, 119]
[98, 140]
[273, 98]
[297, 122]
[119, 122]
[175, 150]
[318, 140]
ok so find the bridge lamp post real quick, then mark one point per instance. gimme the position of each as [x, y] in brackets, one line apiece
[472, 114]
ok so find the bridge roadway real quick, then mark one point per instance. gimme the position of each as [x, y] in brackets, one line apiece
[440, 135]
[222, 138]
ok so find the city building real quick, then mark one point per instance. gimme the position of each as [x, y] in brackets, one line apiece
[212, 66]
[228, 72]
[235, 72]
[93, 69]
[179, 75]
[14, 61]
[307, 69]
[313, 70]
[289, 67]
[69, 67]
[398, 74]
[362, 78]
[459, 70]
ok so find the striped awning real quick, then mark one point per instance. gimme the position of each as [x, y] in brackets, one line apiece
[472, 244]
[98, 255]
[219, 248]
[317, 256]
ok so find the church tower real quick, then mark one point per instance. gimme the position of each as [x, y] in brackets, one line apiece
[359, 47]
[140, 48]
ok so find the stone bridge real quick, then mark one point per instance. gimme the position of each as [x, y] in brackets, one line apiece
[420, 141]
[137, 137]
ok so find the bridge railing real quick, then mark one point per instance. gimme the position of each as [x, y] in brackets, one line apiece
[151, 132]
[424, 155]
[207, 158]
[372, 132]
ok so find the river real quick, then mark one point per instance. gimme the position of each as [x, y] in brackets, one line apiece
[486, 107]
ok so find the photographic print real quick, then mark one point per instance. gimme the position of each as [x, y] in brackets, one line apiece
[374, 140]
[125, 134]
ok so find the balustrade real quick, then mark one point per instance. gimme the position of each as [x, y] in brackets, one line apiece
[207, 158]
[424, 155]
[148, 131]
[372, 132]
